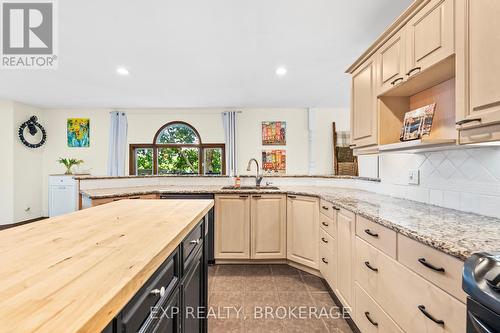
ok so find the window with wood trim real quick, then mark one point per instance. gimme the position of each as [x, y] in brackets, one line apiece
[177, 149]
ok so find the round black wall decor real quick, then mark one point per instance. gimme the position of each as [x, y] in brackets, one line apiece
[33, 128]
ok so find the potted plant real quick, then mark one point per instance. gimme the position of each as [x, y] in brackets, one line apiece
[69, 163]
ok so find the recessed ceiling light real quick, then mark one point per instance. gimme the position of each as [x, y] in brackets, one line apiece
[280, 71]
[120, 70]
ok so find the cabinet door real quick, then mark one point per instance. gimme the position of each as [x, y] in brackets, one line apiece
[303, 230]
[483, 63]
[268, 227]
[391, 63]
[62, 200]
[192, 297]
[169, 321]
[346, 234]
[232, 227]
[363, 106]
[430, 36]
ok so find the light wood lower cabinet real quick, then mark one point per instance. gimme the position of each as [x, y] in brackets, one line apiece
[250, 226]
[415, 304]
[370, 317]
[232, 227]
[303, 230]
[268, 227]
[345, 276]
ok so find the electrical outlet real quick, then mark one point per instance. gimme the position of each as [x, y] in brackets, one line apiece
[414, 177]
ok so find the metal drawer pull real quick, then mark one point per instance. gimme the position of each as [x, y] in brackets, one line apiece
[336, 208]
[243, 196]
[324, 260]
[325, 224]
[368, 231]
[398, 79]
[324, 207]
[430, 266]
[352, 145]
[413, 70]
[367, 264]
[367, 315]
[324, 240]
[466, 121]
[160, 292]
[292, 196]
[256, 196]
[428, 315]
[196, 241]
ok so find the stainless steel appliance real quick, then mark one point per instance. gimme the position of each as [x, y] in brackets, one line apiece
[481, 281]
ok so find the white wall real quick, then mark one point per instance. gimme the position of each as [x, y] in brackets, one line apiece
[7, 165]
[27, 180]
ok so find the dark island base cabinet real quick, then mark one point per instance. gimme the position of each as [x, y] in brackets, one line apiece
[174, 299]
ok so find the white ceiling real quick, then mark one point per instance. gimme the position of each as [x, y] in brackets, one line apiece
[199, 53]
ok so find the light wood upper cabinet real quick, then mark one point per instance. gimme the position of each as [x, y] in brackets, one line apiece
[303, 230]
[481, 69]
[363, 106]
[391, 63]
[430, 36]
[232, 227]
[346, 237]
[268, 227]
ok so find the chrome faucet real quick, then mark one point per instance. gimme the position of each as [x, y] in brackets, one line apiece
[258, 177]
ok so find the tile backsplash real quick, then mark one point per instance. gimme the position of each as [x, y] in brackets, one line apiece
[464, 179]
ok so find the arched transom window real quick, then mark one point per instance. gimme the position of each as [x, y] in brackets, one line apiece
[177, 148]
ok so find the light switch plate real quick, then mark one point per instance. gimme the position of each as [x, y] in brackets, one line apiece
[413, 177]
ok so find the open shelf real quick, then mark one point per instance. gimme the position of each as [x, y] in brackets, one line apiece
[424, 144]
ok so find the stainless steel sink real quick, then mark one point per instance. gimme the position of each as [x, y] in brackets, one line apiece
[260, 188]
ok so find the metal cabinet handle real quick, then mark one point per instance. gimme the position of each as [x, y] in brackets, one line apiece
[413, 70]
[367, 264]
[430, 266]
[336, 208]
[352, 145]
[367, 315]
[292, 196]
[243, 196]
[160, 292]
[369, 232]
[324, 207]
[324, 240]
[196, 241]
[325, 224]
[397, 80]
[466, 121]
[428, 315]
[324, 260]
[257, 196]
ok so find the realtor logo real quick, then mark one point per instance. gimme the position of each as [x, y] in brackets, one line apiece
[28, 34]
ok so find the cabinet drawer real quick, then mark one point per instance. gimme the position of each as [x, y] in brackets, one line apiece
[162, 283]
[61, 180]
[192, 243]
[375, 234]
[327, 208]
[328, 224]
[328, 266]
[441, 269]
[369, 315]
[407, 297]
[327, 241]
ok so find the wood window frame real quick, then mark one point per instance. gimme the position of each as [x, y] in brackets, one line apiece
[156, 146]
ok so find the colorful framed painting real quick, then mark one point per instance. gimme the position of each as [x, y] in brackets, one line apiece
[78, 132]
[274, 133]
[274, 162]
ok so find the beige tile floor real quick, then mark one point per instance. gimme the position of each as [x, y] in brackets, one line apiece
[277, 287]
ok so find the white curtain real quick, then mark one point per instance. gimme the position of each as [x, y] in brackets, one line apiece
[229, 121]
[117, 154]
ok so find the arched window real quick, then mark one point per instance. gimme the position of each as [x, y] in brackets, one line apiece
[177, 149]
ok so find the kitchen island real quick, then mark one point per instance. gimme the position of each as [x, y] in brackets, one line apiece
[95, 269]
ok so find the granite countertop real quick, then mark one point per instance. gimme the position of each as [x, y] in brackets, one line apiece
[89, 177]
[451, 231]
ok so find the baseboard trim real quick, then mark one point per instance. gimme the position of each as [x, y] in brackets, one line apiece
[337, 301]
[12, 225]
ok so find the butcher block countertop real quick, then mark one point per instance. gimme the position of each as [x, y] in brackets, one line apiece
[74, 273]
